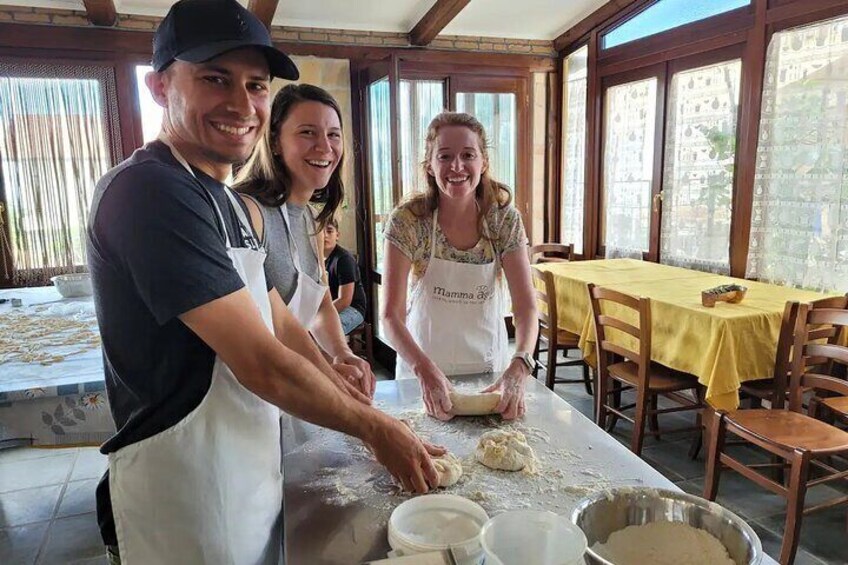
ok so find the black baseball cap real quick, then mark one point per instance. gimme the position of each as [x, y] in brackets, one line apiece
[198, 30]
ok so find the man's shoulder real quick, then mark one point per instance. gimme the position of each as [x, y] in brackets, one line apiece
[145, 178]
[344, 255]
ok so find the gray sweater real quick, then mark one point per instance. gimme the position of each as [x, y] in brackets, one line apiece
[279, 266]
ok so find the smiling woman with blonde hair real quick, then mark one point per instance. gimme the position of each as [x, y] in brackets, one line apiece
[457, 239]
[298, 162]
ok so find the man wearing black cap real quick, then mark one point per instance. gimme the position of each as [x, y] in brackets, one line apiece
[199, 350]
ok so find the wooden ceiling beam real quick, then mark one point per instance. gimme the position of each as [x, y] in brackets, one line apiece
[264, 10]
[101, 12]
[582, 28]
[435, 20]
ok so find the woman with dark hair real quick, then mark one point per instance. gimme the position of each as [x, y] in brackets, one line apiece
[448, 248]
[298, 162]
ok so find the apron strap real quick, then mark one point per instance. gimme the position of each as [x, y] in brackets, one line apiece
[293, 244]
[181, 160]
[433, 234]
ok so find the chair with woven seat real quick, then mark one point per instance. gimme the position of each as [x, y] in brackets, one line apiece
[800, 441]
[551, 253]
[554, 338]
[635, 370]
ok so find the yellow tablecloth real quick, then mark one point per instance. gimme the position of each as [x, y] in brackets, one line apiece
[723, 346]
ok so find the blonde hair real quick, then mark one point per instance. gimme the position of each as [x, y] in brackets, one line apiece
[488, 193]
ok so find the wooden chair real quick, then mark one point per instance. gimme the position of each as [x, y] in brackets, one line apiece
[555, 339]
[362, 342]
[774, 390]
[636, 371]
[799, 440]
[551, 253]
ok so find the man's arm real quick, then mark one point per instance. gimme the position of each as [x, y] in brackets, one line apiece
[294, 336]
[345, 296]
[233, 328]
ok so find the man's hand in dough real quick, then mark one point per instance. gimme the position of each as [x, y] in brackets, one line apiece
[363, 377]
[511, 385]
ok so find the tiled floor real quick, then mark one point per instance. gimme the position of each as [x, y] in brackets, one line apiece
[47, 506]
[47, 499]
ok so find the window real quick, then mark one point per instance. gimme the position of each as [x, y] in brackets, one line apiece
[420, 102]
[665, 15]
[151, 112]
[58, 136]
[628, 165]
[799, 224]
[380, 161]
[698, 178]
[497, 114]
[574, 147]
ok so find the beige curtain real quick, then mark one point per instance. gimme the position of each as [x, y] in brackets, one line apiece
[54, 146]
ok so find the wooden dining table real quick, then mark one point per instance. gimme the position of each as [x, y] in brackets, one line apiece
[723, 346]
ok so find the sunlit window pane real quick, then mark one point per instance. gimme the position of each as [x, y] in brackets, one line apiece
[698, 178]
[628, 165]
[574, 148]
[665, 15]
[799, 224]
[498, 115]
[379, 160]
[151, 112]
[420, 102]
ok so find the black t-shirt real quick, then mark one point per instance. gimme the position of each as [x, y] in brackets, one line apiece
[156, 249]
[341, 270]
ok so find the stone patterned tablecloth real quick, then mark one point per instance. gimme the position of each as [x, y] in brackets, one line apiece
[50, 401]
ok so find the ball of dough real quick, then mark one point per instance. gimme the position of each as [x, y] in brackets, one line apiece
[479, 404]
[450, 469]
[506, 450]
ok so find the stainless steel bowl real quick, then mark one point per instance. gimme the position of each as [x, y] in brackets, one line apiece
[604, 513]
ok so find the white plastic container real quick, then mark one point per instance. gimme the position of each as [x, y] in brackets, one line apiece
[525, 537]
[438, 522]
[73, 285]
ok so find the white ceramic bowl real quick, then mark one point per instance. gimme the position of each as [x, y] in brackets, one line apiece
[73, 285]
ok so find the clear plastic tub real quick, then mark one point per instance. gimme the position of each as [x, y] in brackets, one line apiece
[523, 537]
[437, 522]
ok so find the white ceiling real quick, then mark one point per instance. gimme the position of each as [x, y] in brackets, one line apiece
[527, 19]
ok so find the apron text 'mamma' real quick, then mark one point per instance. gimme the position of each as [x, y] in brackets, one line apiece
[455, 315]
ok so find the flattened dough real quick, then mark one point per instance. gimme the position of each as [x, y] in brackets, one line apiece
[450, 469]
[477, 404]
[506, 450]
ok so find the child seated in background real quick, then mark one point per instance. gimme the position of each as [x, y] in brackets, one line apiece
[343, 277]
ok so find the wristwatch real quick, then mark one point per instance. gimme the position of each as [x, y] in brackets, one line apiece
[526, 358]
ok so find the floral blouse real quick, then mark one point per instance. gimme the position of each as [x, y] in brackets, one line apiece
[411, 235]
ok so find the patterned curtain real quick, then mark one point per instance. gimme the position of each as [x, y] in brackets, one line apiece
[698, 177]
[628, 167]
[54, 146]
[799, 226]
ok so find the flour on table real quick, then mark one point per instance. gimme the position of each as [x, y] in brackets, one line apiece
[663, 543]
[558, 483]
